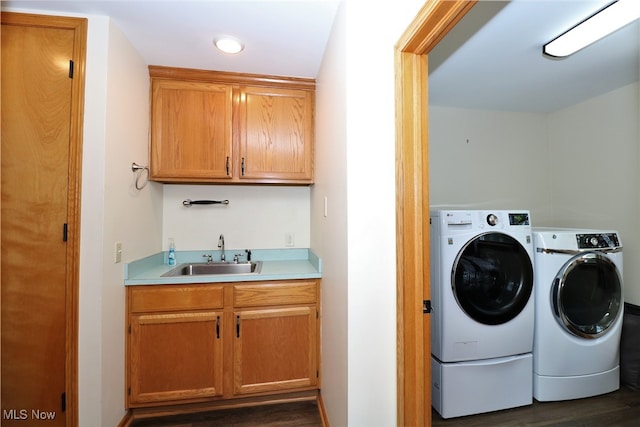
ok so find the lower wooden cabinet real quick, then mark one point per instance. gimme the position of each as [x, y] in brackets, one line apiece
[193, 343]
[175, 356]
[275, 349]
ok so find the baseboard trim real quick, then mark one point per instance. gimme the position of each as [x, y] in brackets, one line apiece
[323, 413]
[135, 414]
[126, 420]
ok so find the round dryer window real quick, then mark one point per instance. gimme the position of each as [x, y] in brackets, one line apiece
[587, 294]
[492, 278]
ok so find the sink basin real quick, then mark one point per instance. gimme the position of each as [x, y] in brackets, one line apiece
[204, 268]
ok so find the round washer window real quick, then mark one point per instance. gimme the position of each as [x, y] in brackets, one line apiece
[587, 295]
[492, 278]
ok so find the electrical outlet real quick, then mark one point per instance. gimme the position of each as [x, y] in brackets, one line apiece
[117, 256]
[290, 239]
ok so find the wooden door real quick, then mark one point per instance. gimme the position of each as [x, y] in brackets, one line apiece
[275, 349]
[191, 126]
[38, 209]
[276, 134]
[175, 356]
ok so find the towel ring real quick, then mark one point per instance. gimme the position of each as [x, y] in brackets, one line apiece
[140, 171]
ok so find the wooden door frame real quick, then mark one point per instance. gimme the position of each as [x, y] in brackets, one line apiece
[79, 28]
[431, 24]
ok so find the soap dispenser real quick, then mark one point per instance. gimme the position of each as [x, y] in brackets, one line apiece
[172, 252]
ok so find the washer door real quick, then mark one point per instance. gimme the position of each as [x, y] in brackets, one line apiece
[587, 295]
[492, 278]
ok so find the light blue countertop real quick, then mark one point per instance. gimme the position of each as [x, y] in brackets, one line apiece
[277, 264]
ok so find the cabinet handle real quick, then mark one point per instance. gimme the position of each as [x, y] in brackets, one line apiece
[227, 165]
[218, 327]
[243, 166]
[238, 326]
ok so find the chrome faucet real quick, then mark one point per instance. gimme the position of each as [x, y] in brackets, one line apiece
[221, 245]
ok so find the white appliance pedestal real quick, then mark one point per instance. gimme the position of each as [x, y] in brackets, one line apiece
[474, 387]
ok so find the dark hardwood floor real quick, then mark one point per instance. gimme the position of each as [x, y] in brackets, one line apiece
[296, 414]
[618, 409]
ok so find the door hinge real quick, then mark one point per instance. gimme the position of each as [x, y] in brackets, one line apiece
[63, 401]
[426, 306]
[65, 232]
[71, 68]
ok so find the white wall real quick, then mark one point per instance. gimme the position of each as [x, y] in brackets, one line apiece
[489, 159]
[357, 238]
[92, 220]
[257, 217]
[329, 233]
[115, 135]
[594, 167]
[576, 167]
[132, 217]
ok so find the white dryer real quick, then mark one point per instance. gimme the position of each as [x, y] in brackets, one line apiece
[483, 311]
[579, 306]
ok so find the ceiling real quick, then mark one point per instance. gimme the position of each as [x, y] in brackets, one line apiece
[281, 37]
[491, 60]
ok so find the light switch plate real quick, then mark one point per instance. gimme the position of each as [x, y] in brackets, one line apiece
[117, 256]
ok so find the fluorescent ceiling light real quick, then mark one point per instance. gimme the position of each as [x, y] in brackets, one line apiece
[606, 21]
[228, 44]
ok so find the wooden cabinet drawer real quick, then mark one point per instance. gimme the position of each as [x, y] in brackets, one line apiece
[175, 298]
[275, 293]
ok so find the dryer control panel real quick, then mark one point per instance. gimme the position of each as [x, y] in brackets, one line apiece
[597, 240]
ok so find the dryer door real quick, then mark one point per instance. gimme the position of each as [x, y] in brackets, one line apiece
[587, 294]
[492, 278]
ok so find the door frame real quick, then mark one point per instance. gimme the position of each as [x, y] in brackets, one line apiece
[79, 27]
[432, 23]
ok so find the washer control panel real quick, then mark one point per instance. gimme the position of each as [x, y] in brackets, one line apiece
[597, 240]
[520, 218]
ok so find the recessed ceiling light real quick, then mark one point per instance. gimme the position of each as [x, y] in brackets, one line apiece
[228, 44]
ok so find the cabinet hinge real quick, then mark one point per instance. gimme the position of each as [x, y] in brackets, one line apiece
[65, 232]
[129, 327]
[426, 306]
[63, 401]
[71, 68]
[317, 373]
[129, 391]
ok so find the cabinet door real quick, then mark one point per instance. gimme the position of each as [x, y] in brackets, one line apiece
[276, 134]
[275, 349]
[191, 131]
[175, 356]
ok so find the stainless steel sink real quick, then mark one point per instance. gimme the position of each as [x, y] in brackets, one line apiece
[210, 268]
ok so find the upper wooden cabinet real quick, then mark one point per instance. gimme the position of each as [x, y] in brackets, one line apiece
[209, 126]
[191, 130]
[276, 134]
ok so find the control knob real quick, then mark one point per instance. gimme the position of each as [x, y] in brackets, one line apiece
[592, 240]
[492, 219]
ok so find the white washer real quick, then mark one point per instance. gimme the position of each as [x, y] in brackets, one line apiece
[483, 311]
[579, 306]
